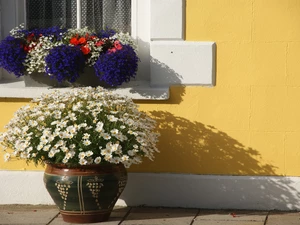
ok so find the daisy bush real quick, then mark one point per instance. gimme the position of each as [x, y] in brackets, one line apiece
[26, 51]
[81, 127]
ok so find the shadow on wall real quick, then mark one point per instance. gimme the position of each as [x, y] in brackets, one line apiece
[177, 91]
[162, 71]
[194, 148]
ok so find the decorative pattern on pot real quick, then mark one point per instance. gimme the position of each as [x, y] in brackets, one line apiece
[85, 193]
[63, 186]
[95, 186]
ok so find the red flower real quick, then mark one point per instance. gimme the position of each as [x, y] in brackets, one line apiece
[30, 37]
[99, 43]
[74, 41]
[93, 37]
[118, 45]
[26, 48]
[82, 41]
[112, 50]
[85, 49]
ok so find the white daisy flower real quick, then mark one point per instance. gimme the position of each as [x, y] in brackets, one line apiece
[115, 160]
[97, 160]
[64, 149]
[82, 161]
[89, 153]
[6, 157]
[70, 154]
[81, 155]
[46, 148]
[114, 147]
[127, 164]
[86, 142]
[86, 136]
[130, 122]
[124, 158]
[114, 131]
[90, 161]
[65, 160]
[112, 118]
[108, 157]
[131, 152]
[51, 154]
[106, 136]
[106, 151]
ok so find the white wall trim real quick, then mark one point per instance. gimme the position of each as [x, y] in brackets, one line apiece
[167, 19]
[173, 190]
[137, 90]
[174, 61]
[182, 62]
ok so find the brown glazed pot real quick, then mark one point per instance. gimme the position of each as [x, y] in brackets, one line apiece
[85, 194]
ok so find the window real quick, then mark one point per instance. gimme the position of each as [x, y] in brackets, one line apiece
[96, 14]
[135, 19]
[158, 26]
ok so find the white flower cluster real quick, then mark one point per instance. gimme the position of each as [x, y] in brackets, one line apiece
[81, 127]
[15, 32]
[126, 39]
[35, 59]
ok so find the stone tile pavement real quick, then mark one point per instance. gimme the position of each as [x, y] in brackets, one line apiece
[49, 215]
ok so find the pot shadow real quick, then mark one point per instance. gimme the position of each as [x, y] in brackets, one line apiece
[198, 148]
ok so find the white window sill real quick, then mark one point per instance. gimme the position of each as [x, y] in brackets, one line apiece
[138, 90]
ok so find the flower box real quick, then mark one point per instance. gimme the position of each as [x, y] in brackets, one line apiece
[64, 55]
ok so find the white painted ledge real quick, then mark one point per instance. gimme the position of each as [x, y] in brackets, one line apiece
[182, 62]
[173, 190]
[136, 90]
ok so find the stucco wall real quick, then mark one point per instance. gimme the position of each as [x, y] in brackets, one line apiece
[248, 124]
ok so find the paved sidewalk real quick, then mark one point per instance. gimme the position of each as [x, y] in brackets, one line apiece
[49, 215]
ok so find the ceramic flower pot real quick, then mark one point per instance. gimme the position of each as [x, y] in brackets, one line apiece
[36, 79]
[87, 78]
[85, 194]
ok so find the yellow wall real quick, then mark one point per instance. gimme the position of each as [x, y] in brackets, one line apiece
[249, 123]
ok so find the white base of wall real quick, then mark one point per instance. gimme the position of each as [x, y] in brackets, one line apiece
[173, 190]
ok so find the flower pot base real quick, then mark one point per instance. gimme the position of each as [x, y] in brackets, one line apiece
[78, 217]
[85, 194]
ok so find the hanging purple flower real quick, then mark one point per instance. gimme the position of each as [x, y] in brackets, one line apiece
[106, 33]
[65, 62]
[118, 65]
[12, 55]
